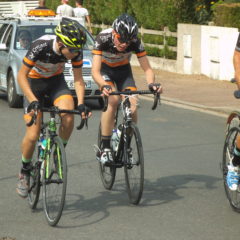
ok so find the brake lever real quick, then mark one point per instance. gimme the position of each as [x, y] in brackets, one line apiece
[157, 100]
[81, 125]
[33, 119]
[105, 103]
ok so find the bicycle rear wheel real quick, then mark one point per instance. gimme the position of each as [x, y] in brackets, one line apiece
[107, 173]
[54, 181]
[233, 196]
[34, 180]
[134, 164]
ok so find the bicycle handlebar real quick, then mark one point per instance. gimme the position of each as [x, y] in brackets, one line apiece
[139, 92]
[56, 110]
[236, 93]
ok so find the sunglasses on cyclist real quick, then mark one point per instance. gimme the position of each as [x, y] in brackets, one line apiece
[73, 50]
[121, 40]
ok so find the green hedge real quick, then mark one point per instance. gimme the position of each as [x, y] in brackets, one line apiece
[227, 15]
[154, 39]
[162, 53]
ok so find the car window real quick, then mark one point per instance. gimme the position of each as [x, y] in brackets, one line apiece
[89, 43]
[27, 34]
[2, 30]
[31, 33]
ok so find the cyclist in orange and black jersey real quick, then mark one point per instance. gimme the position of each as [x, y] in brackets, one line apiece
[42, 74]
[44, 59]
[111, 70]
[111, 56]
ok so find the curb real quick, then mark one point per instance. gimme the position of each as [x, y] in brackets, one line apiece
[218, 111]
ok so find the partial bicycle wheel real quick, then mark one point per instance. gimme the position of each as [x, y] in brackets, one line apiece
[54, 181]
[134, 164]
[34, 180]
[233, 196]
[107, 173]
[233, 120]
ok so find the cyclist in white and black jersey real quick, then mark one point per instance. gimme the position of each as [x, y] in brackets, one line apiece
[42, 74]
[111, 70]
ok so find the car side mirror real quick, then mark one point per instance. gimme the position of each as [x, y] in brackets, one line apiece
[3, 47]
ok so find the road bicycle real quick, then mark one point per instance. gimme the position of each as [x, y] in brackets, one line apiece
[49, 167]
[127, 149]
[232, 131]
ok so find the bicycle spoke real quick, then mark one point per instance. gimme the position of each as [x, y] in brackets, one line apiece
[233, 196]
[34, 180]
[134, 166]
[107, 173]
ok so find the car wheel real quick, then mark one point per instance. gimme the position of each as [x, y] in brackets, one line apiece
[14, 100]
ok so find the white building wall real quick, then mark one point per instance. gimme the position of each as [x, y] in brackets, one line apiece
[217, 48]
[212, 50]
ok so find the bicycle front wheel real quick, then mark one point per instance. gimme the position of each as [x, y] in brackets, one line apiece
[34, 180]
[107, 173]
[54, 181]
[134, 164]
[233, 196]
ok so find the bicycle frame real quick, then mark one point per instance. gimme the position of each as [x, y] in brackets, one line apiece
[126, 122]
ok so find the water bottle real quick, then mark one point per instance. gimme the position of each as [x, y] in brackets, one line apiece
[116, 133]
[43, 144]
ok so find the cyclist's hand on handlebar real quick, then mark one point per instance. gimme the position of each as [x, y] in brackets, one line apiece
[106, 89]
[84, 111]
[155, 87]
[33, 106]
[33, 109]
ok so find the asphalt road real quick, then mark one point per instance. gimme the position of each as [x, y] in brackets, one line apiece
[183, 196]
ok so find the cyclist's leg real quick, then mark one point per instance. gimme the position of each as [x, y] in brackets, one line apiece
[28, 146]
[107, 121]
[233, 173]
[126, 81]
[236, 153]
[62, 98]
[67, 120]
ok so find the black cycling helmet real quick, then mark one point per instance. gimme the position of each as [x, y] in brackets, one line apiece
[71, 33]
[126, 27]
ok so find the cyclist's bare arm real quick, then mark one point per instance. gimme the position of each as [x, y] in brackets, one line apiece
[236, 64]
[79, 84]
[24, 84]
[145, 65]
[96, 73]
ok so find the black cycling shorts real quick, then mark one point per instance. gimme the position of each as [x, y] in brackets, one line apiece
[50, 88]
[121, 77]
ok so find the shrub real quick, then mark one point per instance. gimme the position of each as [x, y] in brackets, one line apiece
[227, 15]
[154, 39]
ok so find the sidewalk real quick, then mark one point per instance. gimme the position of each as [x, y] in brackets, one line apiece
[197, 91]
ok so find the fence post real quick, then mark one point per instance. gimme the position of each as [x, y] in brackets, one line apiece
[165, 30]
[141, 32]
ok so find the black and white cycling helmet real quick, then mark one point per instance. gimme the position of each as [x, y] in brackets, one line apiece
[126, 27]
[71, 33]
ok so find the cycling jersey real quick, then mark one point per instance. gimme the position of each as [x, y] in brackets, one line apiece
[111, 57]
[44, 60]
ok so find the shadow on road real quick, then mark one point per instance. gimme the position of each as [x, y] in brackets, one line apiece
[3, 96]
[162, 191]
